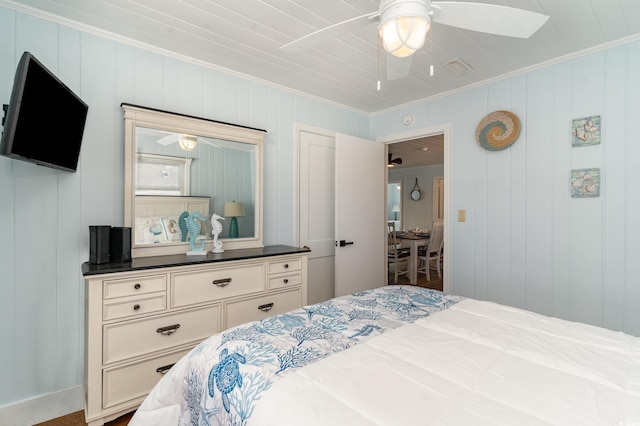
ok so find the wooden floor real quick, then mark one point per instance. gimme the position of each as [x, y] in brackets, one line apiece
[435, 283]
[77, 419]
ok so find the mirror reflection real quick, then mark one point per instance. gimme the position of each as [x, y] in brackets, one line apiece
[213, 175]
[177, 165]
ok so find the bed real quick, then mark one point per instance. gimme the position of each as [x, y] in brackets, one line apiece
[403, 355]
[157, 217]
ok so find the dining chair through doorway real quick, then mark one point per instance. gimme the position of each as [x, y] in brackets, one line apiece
[432, 251]
[396, 256]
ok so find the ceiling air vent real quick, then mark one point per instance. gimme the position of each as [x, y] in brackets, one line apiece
[457, 66]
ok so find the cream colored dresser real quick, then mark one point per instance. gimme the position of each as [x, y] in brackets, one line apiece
[141, 317]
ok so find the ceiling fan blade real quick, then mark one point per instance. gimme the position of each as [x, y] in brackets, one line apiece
[398, 67]
[208, 142]
[169, 139]
[395, 160]
[330, 32]
[364, 5]
[489, 18]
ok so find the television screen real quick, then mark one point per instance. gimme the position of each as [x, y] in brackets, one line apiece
[45, 120]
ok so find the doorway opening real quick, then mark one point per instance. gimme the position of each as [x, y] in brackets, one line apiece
[425, 155]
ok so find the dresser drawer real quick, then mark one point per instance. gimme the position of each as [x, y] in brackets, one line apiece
[285, 265]
[258, 308]
[285, 280]
[139, 337]
[132, 286]
[131, 381]
[133, 306]
[207, 285]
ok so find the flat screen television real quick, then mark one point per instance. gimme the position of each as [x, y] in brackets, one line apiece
[45, 120]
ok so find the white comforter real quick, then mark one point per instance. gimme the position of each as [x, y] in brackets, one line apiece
[475, 363]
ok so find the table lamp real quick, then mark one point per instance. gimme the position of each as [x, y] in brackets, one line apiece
[395, 209]
[233, 210]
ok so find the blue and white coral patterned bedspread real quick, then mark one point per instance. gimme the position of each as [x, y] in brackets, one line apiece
[225, 376]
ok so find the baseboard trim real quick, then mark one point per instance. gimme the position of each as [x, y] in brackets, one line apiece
[43, 408]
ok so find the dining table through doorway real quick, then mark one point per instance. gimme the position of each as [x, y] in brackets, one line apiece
[413, 240]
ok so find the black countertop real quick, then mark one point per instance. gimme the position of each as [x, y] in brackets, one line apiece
[154, 262]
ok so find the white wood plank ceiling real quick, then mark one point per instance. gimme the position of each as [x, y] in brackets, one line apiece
[244, 36]
[425, 151]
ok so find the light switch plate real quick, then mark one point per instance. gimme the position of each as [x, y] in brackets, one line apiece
[462, 215]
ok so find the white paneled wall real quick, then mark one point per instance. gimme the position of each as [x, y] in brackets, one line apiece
[417, 213]
[46, 213]
[526, 242]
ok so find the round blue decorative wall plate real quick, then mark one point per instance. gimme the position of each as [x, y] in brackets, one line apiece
[498, 130]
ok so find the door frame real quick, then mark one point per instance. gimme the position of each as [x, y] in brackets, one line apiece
[438, 181]
[440, 129]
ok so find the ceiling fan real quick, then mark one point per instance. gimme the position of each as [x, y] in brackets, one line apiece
[187, 142]
[403, 26]
[393, 161]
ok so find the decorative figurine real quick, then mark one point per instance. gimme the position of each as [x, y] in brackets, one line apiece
[182, 224]
[193, 225]
[217, 229]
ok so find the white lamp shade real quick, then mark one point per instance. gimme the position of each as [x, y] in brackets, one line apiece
[188, 142]
[403, 35]
[395, 208]
[403, 26]
[234, 209]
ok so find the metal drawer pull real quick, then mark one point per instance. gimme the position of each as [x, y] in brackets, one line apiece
[168, 330]
[286, 280]
[286, 266]
[223, 282]
[137, 286]
[265, 308]
[164, 369]
[136, 307]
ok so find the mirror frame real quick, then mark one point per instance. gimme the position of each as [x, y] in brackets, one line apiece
[138, 116]
[415, 193]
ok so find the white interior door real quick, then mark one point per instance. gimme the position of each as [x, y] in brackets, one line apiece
[316, 165]
[360, 216]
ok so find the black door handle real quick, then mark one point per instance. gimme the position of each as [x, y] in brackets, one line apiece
[344, 243]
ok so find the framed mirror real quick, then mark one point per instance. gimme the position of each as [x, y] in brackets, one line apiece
[415, 192]
[176, 165]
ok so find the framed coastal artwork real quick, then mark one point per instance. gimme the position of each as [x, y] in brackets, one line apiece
[585, 183]
[586, 131]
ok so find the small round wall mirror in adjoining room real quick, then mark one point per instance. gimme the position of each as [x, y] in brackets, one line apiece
[415, 192]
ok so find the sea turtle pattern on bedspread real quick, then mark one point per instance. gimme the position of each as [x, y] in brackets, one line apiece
[226, 374]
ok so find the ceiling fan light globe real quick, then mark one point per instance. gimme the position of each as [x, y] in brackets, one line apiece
[188, 142]
[403, 35]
